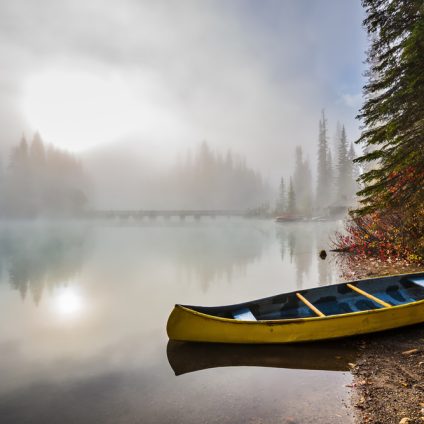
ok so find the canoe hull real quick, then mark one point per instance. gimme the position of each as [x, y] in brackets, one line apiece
[185, 324]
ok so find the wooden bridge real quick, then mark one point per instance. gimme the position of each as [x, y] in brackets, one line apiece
[166, 214]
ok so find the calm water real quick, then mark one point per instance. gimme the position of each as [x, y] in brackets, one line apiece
[83, 310]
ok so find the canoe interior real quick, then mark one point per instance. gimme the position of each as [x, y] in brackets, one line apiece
[330, 300]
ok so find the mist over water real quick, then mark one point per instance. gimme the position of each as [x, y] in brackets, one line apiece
[84, 308]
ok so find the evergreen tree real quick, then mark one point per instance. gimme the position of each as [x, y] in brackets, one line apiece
[354, 170]
[323, 191]
[302, 183]
[298, 178]
[343, 181]
[17, 190]
[37, 154]
[19, 157]
[335, 161]
[40, 182]
[337, 135]
[308, 190]
[291, 199]
[212, 180]
[330, 176]
[393, 113]
[37, 168]
[281, 202]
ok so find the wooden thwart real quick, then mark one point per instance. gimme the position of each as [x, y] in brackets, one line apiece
[309, 305]
[369, 296]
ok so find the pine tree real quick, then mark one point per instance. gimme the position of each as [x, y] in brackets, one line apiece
[343, 181]
[40, 182]
[330, 176]
[18, 182]
[354, 171]
[19, 157]
[335, 175]
[298, 178]
[323, 192]
[393, 113]
[37, 154]
[212, 180]
[308, 190]
[337, 135]
[302, 183]
[281, 202]
[37, 168]
[291, 199]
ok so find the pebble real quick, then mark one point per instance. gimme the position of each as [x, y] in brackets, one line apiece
[409, 352]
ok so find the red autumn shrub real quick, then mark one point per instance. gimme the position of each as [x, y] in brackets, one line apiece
[395, 235]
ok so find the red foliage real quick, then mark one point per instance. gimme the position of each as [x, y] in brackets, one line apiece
[386, 236]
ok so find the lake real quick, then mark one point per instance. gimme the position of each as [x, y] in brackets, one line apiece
[83, 311]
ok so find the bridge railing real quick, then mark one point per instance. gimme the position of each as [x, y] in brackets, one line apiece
[182, 214]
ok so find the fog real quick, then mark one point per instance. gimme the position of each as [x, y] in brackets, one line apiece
[134, 88]
[162, 152]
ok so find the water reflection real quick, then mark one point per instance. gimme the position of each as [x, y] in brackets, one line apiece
[301, 242]
[220, 250]
[88, 343]
[296, 241]
[329, 356]
[68, 302]
[41, 257]
[36, 258]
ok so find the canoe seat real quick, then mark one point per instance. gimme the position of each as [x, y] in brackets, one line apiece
[244, 314]
[330, 305]
[365, 305]
[354, 305]
[398, 296]
[417, 280]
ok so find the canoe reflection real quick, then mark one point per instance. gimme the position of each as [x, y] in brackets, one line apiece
[185, 357]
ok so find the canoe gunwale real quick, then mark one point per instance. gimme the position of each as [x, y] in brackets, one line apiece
[188, 308]
[297, 320]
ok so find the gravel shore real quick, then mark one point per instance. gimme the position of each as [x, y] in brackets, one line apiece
[389, 377]
[388, 385]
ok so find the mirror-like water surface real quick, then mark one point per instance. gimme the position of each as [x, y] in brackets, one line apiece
[83, 310]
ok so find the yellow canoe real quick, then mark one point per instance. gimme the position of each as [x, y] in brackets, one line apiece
[321, 313]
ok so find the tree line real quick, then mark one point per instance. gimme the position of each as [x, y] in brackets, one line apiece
[389, 222]
[42, 181]
[335, 185]
[211, 180]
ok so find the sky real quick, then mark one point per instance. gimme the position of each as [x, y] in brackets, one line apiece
[154, 78]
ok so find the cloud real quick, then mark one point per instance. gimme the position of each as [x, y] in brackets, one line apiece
[246, 75]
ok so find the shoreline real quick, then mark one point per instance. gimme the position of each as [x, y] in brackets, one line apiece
[388, 377]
